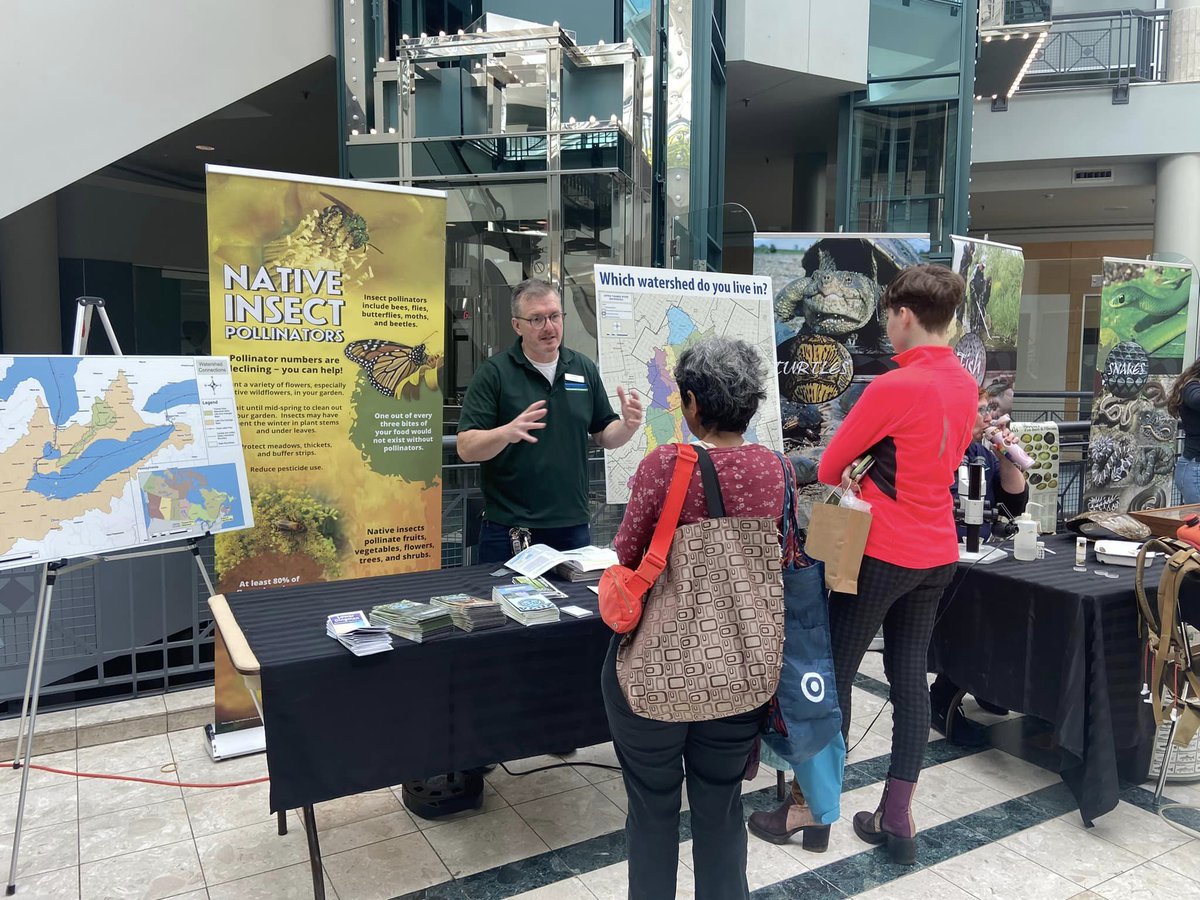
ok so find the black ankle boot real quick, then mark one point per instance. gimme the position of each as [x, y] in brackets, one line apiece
[892, 823]
[773, 826]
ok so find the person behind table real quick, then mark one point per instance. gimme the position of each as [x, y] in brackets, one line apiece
[916, 422]
[1184, 404]
[526, 419]
[1004, 485]
[721, 384]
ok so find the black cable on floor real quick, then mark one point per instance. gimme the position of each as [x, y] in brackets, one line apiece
[869, 727]
[561, 765]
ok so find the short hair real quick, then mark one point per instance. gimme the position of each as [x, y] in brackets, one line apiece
[727, 377]
[932, 292]
[532, 288]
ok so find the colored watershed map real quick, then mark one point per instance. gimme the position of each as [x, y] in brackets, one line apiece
[641, 336]
[109, 453]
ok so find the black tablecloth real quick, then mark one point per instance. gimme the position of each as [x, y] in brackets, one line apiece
[1043, 639]
[337, 724]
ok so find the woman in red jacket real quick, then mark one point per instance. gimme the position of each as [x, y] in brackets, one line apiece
[916, 422]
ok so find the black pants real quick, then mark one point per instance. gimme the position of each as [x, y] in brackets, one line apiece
[495, 543]
[905, 602]
[653, 758]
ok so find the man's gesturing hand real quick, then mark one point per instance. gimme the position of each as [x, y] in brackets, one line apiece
[631, 408]
[522, 427]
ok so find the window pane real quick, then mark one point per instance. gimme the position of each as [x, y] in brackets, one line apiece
[908, 39]
[901, 170]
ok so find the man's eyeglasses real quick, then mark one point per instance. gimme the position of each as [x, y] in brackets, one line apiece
[537, 322]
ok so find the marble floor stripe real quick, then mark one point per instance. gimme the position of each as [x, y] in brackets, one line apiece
[872, 685]
[873, 868]
[597, 853]
[863, 871]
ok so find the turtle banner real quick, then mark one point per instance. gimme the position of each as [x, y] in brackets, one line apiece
[830, 333]
[1144, 313]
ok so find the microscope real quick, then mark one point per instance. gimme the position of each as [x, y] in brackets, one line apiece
[972, 511]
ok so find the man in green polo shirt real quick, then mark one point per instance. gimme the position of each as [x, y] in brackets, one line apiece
[526, 419]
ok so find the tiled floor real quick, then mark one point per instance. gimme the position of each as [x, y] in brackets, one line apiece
[992, 825]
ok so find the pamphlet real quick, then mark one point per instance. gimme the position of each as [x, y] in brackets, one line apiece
[586, 563]
[535, 561]
[356, 633]
[411, 620]
[344, 623]
[471, 613]
[523, 604]
[541, 585]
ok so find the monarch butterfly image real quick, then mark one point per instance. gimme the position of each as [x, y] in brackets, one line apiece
[388, 363]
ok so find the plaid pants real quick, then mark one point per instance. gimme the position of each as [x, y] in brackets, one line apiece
[905, 602]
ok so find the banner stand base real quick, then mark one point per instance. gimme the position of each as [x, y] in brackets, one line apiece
[231, 744]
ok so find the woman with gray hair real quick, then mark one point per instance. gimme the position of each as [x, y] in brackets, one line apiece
[721, 384]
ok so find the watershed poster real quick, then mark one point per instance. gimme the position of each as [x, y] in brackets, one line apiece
[645, 320]
[830, 334]
[328, 298]
[1144, 311]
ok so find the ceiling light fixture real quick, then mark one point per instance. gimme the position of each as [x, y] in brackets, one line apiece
[207, 148]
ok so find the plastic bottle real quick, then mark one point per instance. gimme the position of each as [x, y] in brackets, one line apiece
[1025, 543]
[1014, 452]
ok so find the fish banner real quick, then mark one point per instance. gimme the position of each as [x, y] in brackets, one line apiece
[1144, 312]
[830, 332]
[328, 297]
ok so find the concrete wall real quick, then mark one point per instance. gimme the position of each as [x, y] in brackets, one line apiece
[591, 22]
[820, 37]
[109, 219]
[1086, 125]
[1075, 7]
[101, 79]
[763, 186]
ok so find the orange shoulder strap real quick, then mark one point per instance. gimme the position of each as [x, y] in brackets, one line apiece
[655, 560]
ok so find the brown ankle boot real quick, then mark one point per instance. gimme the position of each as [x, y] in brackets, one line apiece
[892, 822]
[780, 824]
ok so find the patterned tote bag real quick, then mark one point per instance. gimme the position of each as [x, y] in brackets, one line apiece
[710, 643]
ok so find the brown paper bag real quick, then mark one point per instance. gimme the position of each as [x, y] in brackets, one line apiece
[837, 536]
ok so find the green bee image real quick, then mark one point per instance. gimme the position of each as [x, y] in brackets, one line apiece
[341, 218]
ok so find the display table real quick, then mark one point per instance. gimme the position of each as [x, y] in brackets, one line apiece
[1040, 638]
[338, 725]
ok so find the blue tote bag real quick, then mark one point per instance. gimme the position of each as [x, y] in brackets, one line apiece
[804, 717]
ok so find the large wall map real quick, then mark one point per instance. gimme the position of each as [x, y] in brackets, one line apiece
[108, 453]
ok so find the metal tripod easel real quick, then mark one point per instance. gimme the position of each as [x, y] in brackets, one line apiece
[33, 676]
